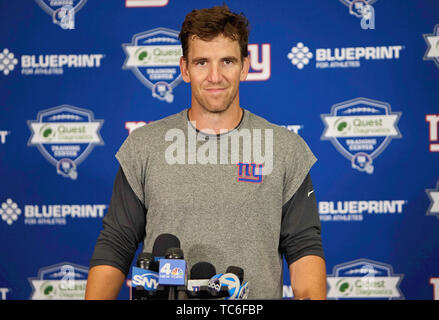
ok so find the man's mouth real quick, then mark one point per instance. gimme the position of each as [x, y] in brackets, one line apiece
[215, 90]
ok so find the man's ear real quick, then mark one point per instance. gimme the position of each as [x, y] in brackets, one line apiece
[245, 68]
[184, 70]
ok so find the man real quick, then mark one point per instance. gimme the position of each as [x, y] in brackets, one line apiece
[243, 213]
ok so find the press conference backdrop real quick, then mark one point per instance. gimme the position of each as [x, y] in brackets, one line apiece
[357, 79]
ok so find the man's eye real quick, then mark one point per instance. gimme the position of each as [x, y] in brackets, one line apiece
[227, 61]
[201, 63]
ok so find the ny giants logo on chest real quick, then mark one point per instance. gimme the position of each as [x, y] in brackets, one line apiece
[250, 172]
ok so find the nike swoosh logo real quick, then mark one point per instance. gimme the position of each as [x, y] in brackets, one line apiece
[310, 192]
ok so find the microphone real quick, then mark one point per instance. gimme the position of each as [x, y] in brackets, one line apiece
[200, 274]
[218, 286]
[172, 271]
[239, 272]
[214, 286]
[231, 281]
[243, 291]
[223, 285]
[162, 243]
[198, 285]
[233, 278]
[145, 260]
[145, 276]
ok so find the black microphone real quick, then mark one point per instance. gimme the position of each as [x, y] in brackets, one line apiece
[146, 261]
[145, 277]
[202, 270]
[174, 282]
[237, 289]
[239, 272]
[162, 243]
[200, 275]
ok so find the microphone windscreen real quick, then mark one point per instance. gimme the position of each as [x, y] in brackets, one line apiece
[163, 242]
[202, 270]
[239, 272]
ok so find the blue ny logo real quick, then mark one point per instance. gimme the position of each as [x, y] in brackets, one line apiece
[250, 172]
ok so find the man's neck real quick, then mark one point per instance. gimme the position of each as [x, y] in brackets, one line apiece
[210, 122]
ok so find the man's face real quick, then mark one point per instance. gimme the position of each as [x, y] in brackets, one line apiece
[214, 69]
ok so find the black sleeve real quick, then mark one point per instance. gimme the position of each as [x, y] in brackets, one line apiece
[300, 229]
[123, 228]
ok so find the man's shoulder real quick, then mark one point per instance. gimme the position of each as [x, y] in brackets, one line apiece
[158, 127]
[285, 141]
[151, 136]
[280, 132]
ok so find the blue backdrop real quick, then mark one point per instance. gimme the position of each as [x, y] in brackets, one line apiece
[354, 78]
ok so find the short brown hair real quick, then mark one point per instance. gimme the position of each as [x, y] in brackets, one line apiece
[207, 24]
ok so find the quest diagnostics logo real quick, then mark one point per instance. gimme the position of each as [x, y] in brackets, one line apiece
[65, 136]
[364, 279]
[154, 58]
[361, 129]
[63, 281]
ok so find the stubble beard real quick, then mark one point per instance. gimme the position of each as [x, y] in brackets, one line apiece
[207, 108]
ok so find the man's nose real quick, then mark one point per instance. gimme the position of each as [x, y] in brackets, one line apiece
[214, 73]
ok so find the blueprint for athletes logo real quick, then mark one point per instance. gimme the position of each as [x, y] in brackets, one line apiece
[357, 210]
[49, 214]
[65, 136]
[7, 61]
[63, 281]
[348, 57]
[62, 11]
[364, 279]
[9, 211]
[433, 194]
[154, 58]
[432, 40]
[300, 55]
[360, 129]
